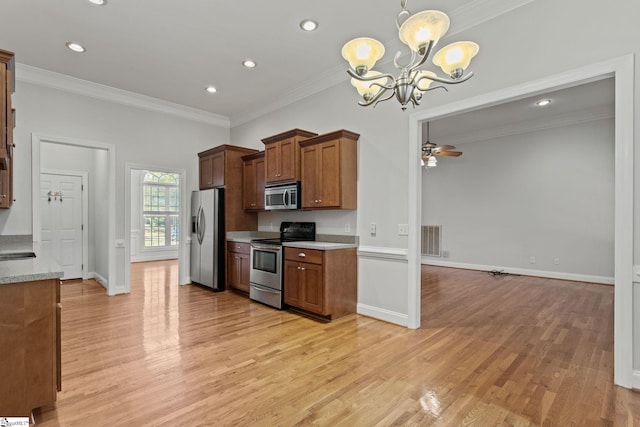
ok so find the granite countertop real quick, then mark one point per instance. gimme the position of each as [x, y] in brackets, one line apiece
[41, 267]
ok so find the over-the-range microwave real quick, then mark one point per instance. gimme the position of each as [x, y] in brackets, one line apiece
[282, 196]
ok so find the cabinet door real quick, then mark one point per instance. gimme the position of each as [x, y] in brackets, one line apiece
[272, 162]
[249, 185]
[244, 270]
[287, 160]
[312, 288]
[217, 169]
[260, 180]
[310, 176]
[292, 289]
[206, 179]
[329, 174]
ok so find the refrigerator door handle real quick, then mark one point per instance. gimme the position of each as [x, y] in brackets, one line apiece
[201, 225]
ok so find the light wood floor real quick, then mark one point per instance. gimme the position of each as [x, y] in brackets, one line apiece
[492, 351]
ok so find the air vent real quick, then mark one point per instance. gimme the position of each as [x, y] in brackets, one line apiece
[431, 240]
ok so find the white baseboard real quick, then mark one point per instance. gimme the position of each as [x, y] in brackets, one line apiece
[522, 271]
[104, 282]
[635, 380]
[382, 314]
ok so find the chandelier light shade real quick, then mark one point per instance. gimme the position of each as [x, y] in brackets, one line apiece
[420, 32]
[422, 28]
[362, 53]
[455, 57]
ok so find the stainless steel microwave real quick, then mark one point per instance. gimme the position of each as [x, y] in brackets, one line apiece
[282, 196]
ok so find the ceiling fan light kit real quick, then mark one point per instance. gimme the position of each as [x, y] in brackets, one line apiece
[420, 32]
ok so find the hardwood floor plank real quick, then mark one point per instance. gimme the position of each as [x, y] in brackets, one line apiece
[509, 350]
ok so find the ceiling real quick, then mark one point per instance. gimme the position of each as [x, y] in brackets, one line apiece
[171, 50]
[588, 101]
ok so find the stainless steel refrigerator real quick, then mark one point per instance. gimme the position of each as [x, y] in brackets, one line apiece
[207, 238]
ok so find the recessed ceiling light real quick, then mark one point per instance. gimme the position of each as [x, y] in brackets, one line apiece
[248, 63]
[308, 25]
[211, 89]
[76, 47]
[543, 102]
[98, 2]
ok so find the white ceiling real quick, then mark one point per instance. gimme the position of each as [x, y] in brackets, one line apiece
[171, 50]
[588, 101]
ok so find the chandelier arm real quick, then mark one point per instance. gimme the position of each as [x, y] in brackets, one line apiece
[423, 58]
[436, 87]
[404, 11]
[408, 65]
[449, 81]
[384, 99]
[371, 78]
[375, 98]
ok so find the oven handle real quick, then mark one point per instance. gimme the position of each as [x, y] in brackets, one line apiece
[266, 247]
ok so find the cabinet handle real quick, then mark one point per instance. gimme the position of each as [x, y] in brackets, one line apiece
[302, 268]
[302, 254]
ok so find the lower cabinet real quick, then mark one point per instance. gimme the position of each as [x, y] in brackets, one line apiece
[30, 343]
[321, 282]
[238, 266]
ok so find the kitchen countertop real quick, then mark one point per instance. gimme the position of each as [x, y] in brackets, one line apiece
[26, 270]
[323, 246]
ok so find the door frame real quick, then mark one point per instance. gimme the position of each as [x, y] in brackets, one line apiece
[36, 140]
[184, 244]
[85, 212]
[622, 69]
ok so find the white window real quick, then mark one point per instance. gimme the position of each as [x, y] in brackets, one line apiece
[160, 209]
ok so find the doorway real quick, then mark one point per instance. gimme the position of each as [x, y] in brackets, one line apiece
[622, 69]
[98, 161]
[174, 232]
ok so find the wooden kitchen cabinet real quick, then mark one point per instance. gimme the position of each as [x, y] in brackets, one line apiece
[253, 179]
[212, 169]
[6, 128]
[30, 343]
[321, 283]
[282, 155]
[238, 267]
[329, 171]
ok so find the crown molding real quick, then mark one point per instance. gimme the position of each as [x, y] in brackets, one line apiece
[40, 77]
[463, 18]
[530, 125]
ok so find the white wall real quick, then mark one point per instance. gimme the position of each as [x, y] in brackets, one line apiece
[547, 194]
[139, 135]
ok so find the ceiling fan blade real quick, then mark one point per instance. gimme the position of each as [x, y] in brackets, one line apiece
[449, 153]
[445, 148]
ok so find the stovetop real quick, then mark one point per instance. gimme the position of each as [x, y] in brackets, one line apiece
[292, 232]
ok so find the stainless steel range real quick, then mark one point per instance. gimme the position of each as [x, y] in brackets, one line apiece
[265, 277]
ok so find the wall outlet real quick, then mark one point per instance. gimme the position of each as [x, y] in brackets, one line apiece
[556, 261]
[403, 229]
[372, 229]
[532, 260]
[347, 228]
[445, 253]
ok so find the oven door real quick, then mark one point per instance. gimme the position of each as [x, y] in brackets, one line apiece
[266, 265]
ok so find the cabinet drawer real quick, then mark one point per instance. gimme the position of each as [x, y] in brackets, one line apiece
[304, 255]
[238, 247]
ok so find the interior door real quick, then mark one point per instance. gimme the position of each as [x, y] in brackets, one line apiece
[61, 221]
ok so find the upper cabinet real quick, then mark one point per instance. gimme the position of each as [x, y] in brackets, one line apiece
[6, 128]
[282, 155]
[253, 175]
[212, 164]
[329, 171]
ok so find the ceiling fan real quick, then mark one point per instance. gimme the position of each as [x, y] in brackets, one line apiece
[431, 150]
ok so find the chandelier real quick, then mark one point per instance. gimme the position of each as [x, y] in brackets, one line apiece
[420, 32]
